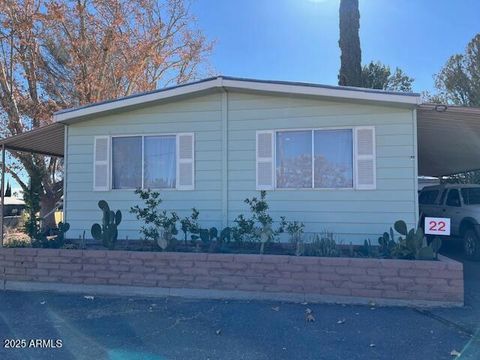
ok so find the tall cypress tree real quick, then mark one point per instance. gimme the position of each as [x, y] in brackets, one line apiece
[351, 56]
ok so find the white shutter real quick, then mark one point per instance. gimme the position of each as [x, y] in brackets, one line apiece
[264, 156]
[101, 159]
[185, 161]
[365, 158]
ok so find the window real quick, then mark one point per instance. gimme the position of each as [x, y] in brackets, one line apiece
[294, 159]
[471, 196]
[333, 159]
[314, 158]
[127, 162]
[160, 162]
[428, 197]
[157, 162]
[453, 198]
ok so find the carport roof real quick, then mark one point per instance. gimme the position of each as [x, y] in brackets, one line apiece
[46, 140]
[448, 139]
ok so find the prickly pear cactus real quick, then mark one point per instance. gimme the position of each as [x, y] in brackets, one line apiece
[413, 244]
[107, 233]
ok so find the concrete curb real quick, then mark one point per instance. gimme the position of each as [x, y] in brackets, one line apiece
[118, 290]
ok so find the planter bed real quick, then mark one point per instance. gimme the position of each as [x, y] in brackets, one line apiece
[237, 276]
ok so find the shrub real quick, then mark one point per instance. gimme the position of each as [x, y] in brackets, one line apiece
[323, 245]
[295, 229]
[259, 227]
[189, 225]
[160, 226]
[17, 240]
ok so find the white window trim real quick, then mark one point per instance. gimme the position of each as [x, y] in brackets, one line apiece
[354, 158]
[143, 136]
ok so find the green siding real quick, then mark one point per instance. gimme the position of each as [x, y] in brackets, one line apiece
[352, 215]
[201, 115]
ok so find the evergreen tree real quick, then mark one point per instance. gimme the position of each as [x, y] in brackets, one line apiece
[351, 53]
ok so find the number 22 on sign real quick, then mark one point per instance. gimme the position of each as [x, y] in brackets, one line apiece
[437, 226]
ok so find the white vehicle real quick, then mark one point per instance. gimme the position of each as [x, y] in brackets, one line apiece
[460, 203]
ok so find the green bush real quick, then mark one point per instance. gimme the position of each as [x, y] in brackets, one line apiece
[189, 225]
[17, 243]
[295, 229]
[259, 227]
[323, 245]
[160, 226]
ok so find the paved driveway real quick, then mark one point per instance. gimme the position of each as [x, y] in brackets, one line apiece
[172, 328]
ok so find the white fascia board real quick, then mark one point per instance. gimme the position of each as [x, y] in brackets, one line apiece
[136, 100]
[219, 82]
[323, 92]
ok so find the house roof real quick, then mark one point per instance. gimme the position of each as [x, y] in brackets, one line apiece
[448, 136]
[266, 86]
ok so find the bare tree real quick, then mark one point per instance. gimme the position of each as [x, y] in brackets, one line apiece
[60, 54]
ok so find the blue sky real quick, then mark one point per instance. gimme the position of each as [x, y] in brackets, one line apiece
[298, 39]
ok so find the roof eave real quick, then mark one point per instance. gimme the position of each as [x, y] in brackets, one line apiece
[69, 116]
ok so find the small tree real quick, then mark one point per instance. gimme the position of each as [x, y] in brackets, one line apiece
[260, 224]
[160, 227]
[32, 208]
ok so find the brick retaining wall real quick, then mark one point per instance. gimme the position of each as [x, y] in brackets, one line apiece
[271, 276]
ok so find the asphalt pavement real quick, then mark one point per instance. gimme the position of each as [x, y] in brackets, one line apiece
[86, 326]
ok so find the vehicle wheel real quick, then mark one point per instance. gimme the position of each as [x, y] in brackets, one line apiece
[471, 244]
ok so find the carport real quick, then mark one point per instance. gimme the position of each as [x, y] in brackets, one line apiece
[448, 139]
[448, 142]
[46, 140]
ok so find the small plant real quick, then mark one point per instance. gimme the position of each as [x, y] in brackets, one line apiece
[62, 229]
[207, 236]
[244, 230]
[368, 249]
[83, 241]
[295, 229]
[108, 231]
[189, 225]
[225, 235]
[17, 242]
[323, 246]
[160, 227]
[387, 243]
[260, 225]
